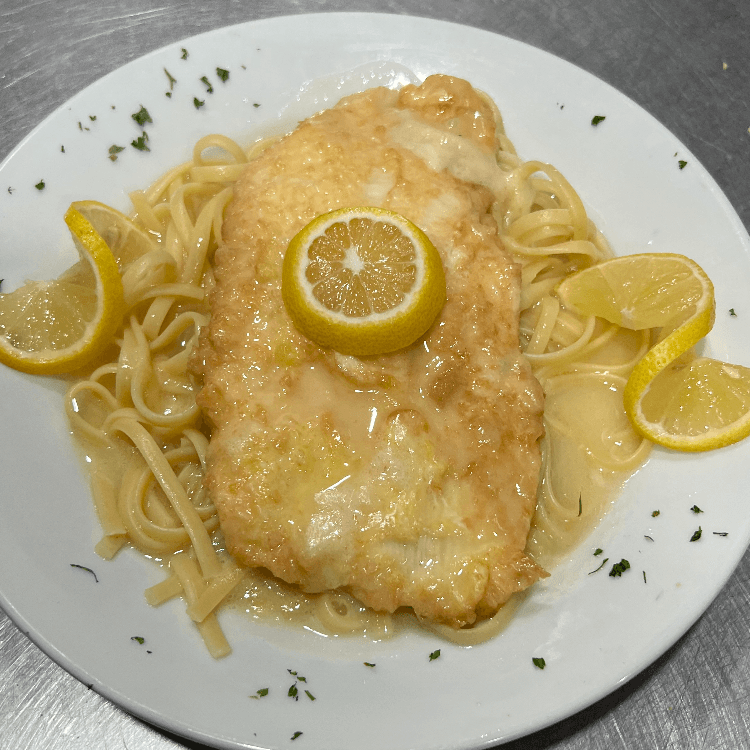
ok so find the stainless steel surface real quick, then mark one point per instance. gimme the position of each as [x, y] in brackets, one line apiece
[686, 61]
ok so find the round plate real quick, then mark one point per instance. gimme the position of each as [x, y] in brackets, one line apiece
[594, 631]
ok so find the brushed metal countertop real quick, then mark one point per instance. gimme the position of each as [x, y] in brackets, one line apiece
[687, 62]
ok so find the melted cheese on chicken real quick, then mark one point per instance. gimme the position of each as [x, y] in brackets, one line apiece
[408, 479]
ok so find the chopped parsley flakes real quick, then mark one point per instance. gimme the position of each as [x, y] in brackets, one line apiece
[142, 116]
[435, 654]
[696, 535]
[539, 662]
[114, 150]
[141, 143]
[696, 509]
[138, 639]
[295, 735]
[732, 312]
[184, 55]
[262, 693]
[197, 102]
[40, 185]
[682, 163]
[223, 74]
[597, 119]
[619, 568]
[207, 83]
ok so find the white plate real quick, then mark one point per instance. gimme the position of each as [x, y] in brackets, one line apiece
[594, 631]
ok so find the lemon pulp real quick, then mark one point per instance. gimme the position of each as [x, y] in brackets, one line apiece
[362, 281]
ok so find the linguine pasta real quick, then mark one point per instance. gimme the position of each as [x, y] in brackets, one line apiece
[137, 419]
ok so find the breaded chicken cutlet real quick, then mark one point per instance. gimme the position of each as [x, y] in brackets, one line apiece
[407, 479]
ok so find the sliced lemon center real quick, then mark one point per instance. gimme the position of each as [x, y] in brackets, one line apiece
[671, 397]
[363, 281]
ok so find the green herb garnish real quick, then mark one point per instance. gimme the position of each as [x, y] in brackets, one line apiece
[141, 143]
[262, 693]
[619, 568]
[539, 662]
[172, 80]
[184, 55]
[223, 74]
[598, 551]
[696, 509]
[655, 513]
[197, 102]
[114, 150]
[62, 149]
[732, 312]
[435, 654]
[597, 119]
[142, 116]
[138, 639]
[83, 567]
[295, 735]
[604, 562]
[209, 87]
[40, 185]
[309, 695]
[368, 664]
[682, 163]
[696, 535]
[293, 692]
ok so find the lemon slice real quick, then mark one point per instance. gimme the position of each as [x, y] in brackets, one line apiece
[56, 326]
[362, 281]
[686, 405]
[125, 239]
[697, 406]
[650, 290]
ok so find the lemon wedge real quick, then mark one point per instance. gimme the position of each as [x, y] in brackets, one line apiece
[58, 326]
[362, 281]
[671, 397]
